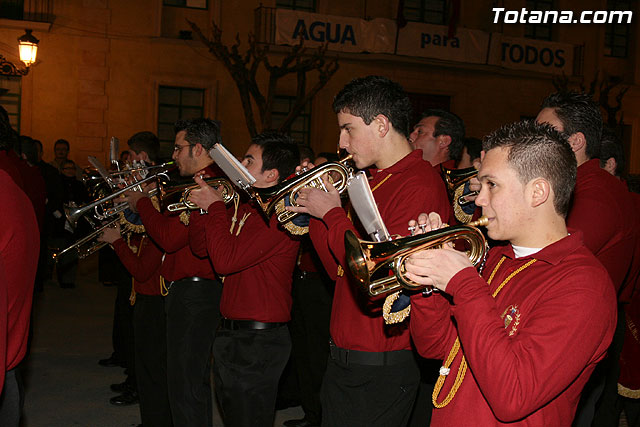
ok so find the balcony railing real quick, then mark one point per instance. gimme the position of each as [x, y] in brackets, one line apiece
[27, 10]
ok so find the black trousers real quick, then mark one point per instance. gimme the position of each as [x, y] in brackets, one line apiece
[12, 399]
[247, 365]
[359, 395]
[193, 314]
[310, 316]
[149, 324]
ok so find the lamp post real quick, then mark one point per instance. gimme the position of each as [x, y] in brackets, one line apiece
[28, 46]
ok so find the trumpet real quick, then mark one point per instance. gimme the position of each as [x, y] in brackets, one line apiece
[366, 258]
[228, 194]
[275, 199]
[88, 244]
[455, 179]
[74, 213]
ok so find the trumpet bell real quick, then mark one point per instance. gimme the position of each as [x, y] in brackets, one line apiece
[370, 262]
[275, 199]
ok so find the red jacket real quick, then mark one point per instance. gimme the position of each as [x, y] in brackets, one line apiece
[257, 264]
[172, 236]
[531, 349]
[405, 190]
[144, 266]
[605, 214]
[19, 247]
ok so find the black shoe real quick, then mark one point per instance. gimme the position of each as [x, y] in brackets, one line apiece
[122, 387]
[125, 399]
[110, 362]
[302, 422]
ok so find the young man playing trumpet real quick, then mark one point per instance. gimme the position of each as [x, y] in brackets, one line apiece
[529, 331]
[256, 257]
[372, 376]
[193, 292]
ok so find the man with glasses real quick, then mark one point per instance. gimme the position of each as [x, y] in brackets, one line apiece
[193, 292]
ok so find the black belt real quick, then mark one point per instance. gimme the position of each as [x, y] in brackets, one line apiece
[192, 279]
[235, 325]
[383, 358]
[307, 274]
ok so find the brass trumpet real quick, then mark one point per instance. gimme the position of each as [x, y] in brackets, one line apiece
[275, 199]
[88, 244]
[101, 212]
[455, 179]
[228, 194]
[365, 258]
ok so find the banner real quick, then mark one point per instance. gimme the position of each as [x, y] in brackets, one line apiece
[532, 55]
[431, 41]
[341, 33]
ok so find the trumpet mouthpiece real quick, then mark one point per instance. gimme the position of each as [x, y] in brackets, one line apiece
[480, 222]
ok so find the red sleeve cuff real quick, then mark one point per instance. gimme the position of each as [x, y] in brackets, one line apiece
[334, 216]
[465, 284]
[144, 204]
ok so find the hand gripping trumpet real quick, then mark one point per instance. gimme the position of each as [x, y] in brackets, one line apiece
[366, 258]
[275, 199]
[184, 204]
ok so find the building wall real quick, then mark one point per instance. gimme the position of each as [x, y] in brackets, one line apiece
[101, 62]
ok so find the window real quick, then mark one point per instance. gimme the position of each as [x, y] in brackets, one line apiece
[193, 4]
[10, 94]
[301, 127]
[428, 11]
[305, 5]
[176, 103]
[616, 36]
[538, 31]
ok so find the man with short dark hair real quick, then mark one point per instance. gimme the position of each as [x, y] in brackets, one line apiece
[611, 153]
[439, 134]
[193, 292]
[372, 376]
[257, 258]
[144, 146]
[600, 210]
[519, 342]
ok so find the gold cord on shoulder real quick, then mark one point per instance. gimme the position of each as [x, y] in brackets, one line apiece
[462, 369]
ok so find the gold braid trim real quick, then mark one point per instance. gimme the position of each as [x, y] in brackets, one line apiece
[395, 317]
[132, 296]
[164, 291]
[627, 392]
[184, 217]
[462, 369]
[460, 214]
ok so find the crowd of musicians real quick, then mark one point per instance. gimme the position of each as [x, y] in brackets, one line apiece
[542, 332]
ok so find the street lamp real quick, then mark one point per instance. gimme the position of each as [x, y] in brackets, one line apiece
[28, 46]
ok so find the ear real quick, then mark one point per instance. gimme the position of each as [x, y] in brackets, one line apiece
[577, 141]
[610, 166]
[482, 153]
[443, 141]
[382, 125]
[540, 192]
[144, 156]
[272, 175]
[198, 149]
